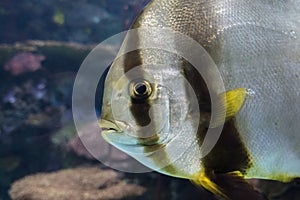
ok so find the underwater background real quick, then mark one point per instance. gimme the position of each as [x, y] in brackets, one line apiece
[42, 45]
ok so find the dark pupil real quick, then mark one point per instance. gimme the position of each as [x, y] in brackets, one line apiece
[141, 89]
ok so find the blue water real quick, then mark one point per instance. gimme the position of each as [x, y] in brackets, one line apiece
[45, 95]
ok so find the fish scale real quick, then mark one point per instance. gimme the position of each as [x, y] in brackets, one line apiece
[249, 40]
[269, 54]
[255, 45]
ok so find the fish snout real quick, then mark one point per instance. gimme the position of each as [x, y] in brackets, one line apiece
[108, 126]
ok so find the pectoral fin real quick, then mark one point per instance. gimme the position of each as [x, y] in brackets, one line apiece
[230, 103]
[229, 186]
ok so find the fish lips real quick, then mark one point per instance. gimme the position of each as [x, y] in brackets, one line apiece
[114, 135]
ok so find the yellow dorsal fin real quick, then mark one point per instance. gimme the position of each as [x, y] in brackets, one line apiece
[230, 103]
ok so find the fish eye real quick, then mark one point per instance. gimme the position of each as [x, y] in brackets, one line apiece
[140, 89]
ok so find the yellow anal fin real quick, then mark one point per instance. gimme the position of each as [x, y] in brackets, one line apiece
[204, 180]
[230, 103]
[229, 186]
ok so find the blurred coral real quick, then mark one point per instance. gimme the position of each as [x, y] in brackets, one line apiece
[86, 183]
[24, 62]
[105, 151]
[90, 145]
[50, 117]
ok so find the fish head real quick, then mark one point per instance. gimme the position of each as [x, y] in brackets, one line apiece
[149, 111]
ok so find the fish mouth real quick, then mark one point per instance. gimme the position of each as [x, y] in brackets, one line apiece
[113, 134]
[108, 126]
[118, 137]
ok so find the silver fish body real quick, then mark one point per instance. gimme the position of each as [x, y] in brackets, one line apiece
[256, 45]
